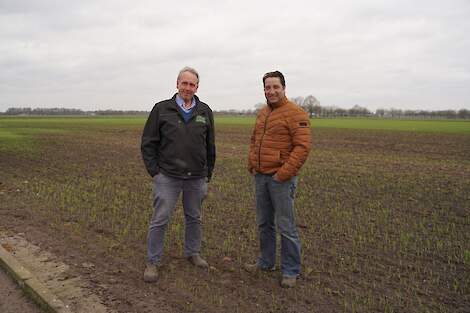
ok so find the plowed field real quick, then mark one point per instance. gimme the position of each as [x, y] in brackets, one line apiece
[384, 218]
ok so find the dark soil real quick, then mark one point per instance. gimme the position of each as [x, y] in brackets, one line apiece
[371, 206]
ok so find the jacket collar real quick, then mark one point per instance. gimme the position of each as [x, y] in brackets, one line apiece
[196, 99]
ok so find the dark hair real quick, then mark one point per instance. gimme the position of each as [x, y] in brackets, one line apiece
[275, 74]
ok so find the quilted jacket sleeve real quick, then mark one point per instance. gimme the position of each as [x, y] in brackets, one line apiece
[299, 128]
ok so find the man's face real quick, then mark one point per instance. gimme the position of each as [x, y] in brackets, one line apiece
[187, 85]
[273, 90]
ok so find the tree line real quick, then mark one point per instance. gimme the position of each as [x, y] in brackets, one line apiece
[310, 104]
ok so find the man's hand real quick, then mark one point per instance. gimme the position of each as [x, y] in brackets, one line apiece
[276, 179]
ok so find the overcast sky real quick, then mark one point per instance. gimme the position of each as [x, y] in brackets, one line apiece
[91, 54]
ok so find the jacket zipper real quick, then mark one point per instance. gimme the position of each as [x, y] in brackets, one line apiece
[261, 140]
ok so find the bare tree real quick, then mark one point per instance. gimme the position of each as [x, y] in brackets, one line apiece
[298, 100]
[311, 105]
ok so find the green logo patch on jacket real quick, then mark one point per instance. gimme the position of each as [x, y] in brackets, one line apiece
[200, 119]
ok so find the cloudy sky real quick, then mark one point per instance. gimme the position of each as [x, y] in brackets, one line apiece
[93, 54]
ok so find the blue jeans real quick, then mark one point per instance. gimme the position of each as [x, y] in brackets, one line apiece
[166, 191]
[275, 209]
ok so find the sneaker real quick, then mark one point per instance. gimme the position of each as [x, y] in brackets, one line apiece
[255, 268]
[150, 273]
[288, 281]
[198, 261]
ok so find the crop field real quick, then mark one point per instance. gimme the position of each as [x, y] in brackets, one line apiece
[382, 206]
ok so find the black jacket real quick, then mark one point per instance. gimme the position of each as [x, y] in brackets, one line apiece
[178, 148]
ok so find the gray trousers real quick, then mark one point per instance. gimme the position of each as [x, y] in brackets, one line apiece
[166, 191]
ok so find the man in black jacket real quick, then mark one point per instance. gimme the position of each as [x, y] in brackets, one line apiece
[178, 149]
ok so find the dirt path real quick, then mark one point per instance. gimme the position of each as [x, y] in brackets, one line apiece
[55, 275]
[12, 299]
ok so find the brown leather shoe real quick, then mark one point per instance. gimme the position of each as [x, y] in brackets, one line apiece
[150, 273]
[198, 261]
[288, 281]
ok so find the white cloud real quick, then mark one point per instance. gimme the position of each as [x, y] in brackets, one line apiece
[125, 55]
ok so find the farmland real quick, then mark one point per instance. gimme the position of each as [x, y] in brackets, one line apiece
[383, 210]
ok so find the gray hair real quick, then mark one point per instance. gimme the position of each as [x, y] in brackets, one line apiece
[188, 69]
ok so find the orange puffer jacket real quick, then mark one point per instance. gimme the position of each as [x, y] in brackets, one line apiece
[281, 140]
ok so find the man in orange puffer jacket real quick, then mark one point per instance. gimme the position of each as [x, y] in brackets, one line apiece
[280, 145]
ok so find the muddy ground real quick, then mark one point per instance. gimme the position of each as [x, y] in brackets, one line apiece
[383, 218]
